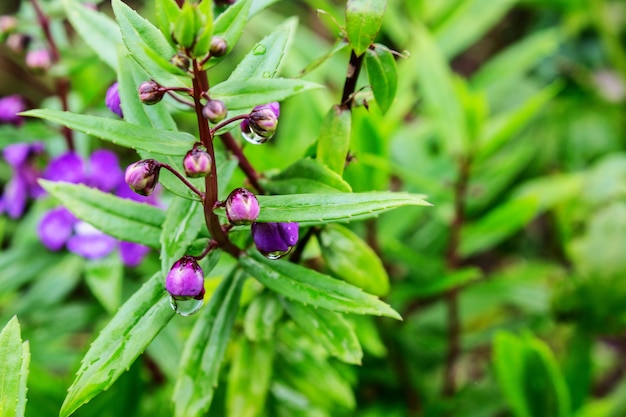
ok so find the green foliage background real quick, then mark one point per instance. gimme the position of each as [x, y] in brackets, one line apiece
[509, 115]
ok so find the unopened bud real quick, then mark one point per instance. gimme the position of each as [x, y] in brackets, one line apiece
[18, 42]
[150, 92]
[181, 61]
[112, 99]
[197, 163]
[39, 60]
[275, 240]
[8, 24]
[218, 47]
[263, 120]
[185, 279]
[214, 111]
[242, 207]
[143, 176]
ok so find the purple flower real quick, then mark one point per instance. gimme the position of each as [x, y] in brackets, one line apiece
[68, 167]
[112, 100]
[103, 171]
[275, 239]
[10, 106]
[23, 185]
[186, 279]
[39, 59]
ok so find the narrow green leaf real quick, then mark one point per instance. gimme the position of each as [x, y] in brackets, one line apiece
[245, 94]
[363, 20]
[470, 20]
[120, 132]
[306, 176]
[230, 24]
[557, 401]
[96, 29]
[339, 46]
[382, 73]
[266, 57]
[310, 287]
[333, 142]
[497, 225]
[262, 314]
[14, 361]
[508, 360]
[120, 218]
[148, 46]
[187, 25]
[117, 346]
[352, 260]
[183, 220]
[249, 378]
[104, 279]
[440, 284]
[167, 12]
[328, 328]
[328, 208]
[205, 348]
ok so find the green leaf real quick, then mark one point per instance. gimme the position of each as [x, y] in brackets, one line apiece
[310, 287]
[187, 25]
[306, 176]
[440, 284]
[183, 220]
[382, 74]
[14, 361]
[117, 346]
[352, 260]
[120, 132]
[266, 57]
[97, 30]
[148, 46]
[229, 26]
[470, 20]
[363, 20]
[205, 348]
[167, 12]
[245, 94]
[508, 361]
[104, 279]
[328, 328]
[261, 316]
[497, 225]
[329, 208]
[333, 142]
[120, 218]
[249, 378]
[205, 31]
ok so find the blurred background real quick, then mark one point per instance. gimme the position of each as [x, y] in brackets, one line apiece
[510, 115]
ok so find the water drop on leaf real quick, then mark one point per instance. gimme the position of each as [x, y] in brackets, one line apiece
[186, 307]
[259, 49]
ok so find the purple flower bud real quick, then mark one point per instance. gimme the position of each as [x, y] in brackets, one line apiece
[197, 163]
[181, 61]
[10, 106]
[263, 120]
[39, 60]
[150, 92]
[186, 279]
[143, 176]
[218, 46]
[214, 111]
[7, 24]
[275, 240]
[112, 100]
[18, 42]
[242, 207]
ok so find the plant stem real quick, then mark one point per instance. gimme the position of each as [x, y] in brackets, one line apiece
[354, 68]
[453, 262]
[244, 164]
[200, 85]
[183, 179]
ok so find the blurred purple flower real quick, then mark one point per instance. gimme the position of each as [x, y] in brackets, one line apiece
[112, 99]
[23, 185]
[10, 106]
[59, 227]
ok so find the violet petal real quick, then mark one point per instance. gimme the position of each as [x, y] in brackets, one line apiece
[56, 227]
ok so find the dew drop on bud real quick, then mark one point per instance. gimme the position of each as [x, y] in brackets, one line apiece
[276, 254]
[186, 307]
[250, 136]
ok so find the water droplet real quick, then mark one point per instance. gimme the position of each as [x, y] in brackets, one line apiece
[267, 74]
[276, 254]
[252, 137]
[186, 307]
[259, 49]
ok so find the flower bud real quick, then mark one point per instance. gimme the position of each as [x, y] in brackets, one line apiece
[112, 100]
[18, 42]
[214, 111]
[143, 176]
[242, 207]
[185, 280]
[150, 92]
[197, 163]
[39, 60]
[218, 46]
[8, 24]
[181, 61]
[275, 240]
[263, 120]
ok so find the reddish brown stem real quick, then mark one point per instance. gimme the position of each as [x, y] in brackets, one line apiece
[229, 121]
[183, 180]
[349, 87]
[244, 164]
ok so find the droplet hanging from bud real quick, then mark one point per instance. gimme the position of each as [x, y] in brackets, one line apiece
[143, 176]
[261, 125]
[185, 284]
